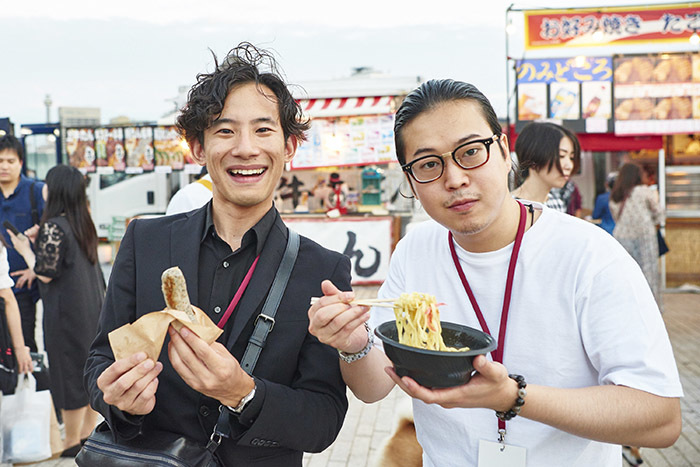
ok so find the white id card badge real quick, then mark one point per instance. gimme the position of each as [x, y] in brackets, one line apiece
[493, 454]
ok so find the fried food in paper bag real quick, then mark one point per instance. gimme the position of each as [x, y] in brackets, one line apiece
[147, 334]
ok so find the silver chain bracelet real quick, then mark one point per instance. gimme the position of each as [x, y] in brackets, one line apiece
[353, 357]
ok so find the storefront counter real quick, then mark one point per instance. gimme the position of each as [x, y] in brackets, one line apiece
[683, 258]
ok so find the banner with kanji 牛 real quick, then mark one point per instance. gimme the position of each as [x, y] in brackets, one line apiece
[585, 27]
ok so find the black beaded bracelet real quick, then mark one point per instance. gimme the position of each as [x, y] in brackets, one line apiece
[519, 402]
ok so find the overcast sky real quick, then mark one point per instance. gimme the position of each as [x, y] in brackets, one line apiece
[129, 57]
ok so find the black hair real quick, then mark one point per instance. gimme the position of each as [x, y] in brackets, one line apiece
[629, 176]
[12, 143]
[537, 147]
[243, 64]
[432, 93]
[67, 196]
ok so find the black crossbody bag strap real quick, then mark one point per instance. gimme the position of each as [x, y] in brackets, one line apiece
[32, 201]
[264, 323]
[266, 319]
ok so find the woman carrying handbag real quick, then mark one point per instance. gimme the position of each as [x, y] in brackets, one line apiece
[635, 208]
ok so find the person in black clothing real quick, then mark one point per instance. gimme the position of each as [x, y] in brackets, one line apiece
[72, 290]
[243, 124]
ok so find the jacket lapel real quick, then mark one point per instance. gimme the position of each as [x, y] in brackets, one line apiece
[185, 235]
[260, 283]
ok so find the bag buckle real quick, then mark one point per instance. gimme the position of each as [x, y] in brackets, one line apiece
[266, 318]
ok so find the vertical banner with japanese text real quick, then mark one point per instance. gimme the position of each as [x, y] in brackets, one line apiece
[80, 148]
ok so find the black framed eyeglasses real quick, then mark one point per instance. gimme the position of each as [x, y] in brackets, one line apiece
[469, 155]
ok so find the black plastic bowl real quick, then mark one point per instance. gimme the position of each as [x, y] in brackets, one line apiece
[433, 368]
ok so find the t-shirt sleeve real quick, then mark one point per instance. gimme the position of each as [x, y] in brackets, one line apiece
[6, 281]
[623, 331]
[50, 250]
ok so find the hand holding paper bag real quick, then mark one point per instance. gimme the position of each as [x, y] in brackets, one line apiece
[147, 333]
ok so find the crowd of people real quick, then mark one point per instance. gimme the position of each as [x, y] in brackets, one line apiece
[50, 234]
[586, 365]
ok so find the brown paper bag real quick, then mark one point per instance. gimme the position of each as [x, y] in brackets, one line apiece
[147, 333]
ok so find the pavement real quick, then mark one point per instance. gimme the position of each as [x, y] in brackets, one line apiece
[368, 426]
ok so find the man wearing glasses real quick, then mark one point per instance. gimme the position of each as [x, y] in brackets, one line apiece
[591, 366]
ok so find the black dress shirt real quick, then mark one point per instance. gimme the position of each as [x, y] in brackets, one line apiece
[221, 270]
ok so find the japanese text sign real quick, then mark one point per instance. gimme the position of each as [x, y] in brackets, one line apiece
[367, 242]
[610, 25]
[562, 70]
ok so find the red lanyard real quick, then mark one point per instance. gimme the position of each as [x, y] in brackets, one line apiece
[237, 296]
[498, 353]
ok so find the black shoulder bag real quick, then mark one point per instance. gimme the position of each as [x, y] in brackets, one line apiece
[101, 450]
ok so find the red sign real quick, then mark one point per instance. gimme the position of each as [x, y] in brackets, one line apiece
[585, 27]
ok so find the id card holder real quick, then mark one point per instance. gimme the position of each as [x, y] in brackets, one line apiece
[494, 454]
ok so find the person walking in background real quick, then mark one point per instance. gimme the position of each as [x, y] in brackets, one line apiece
[601, 210]
[21, 204]
[72, 289]
[636, 211]
[547, 156]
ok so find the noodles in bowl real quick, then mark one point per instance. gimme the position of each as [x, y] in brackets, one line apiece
[431, 367]
[418, 322]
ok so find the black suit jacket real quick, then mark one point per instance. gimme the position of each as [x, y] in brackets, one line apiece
[300, 391]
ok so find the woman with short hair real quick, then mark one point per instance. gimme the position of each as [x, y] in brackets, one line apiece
[548, 154]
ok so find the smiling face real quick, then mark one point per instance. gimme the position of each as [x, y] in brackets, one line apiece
[553, 177]
[473, 204]
[245, 150]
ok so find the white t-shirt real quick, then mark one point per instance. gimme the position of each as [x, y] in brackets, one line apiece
[581, 315]
[6, 281]
[192, 196]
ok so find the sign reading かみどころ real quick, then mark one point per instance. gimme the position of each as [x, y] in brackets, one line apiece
[584, 27]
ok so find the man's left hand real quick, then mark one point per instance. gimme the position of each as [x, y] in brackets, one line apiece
[209, 369]
[23, 278]
[490, 388]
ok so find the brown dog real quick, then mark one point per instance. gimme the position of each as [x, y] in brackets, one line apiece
[401, 449]
[632, 455]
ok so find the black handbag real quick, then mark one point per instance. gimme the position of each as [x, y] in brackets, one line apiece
[165, 449]
[8, 363]
[663, 247]
[170, 449]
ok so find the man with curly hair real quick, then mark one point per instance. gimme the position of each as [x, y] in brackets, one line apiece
[242, 123]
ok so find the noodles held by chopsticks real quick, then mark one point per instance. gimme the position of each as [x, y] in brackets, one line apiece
[418, 322]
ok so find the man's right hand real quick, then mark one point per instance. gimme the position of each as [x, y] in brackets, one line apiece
[130, 384]
[337, 323]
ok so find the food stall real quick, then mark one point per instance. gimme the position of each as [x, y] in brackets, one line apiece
[640, 103]
[133, 169]
[342, 186]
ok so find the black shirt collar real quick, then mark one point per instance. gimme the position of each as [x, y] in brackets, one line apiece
[258, 233]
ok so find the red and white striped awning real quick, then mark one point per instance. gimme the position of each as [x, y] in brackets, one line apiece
[347, 106]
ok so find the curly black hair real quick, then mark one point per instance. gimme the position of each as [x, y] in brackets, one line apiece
[245, 63]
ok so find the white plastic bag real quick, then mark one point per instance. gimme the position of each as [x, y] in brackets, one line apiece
[26, 421]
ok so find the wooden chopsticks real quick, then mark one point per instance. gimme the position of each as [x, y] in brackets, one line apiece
[380, 302]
